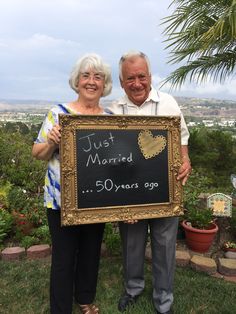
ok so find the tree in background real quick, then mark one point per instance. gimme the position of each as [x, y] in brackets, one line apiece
[213, 154]
[201, 34]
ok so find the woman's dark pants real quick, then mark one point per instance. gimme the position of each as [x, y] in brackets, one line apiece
[75, 263]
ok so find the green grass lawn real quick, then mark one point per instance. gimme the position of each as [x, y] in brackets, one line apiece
[24, 290]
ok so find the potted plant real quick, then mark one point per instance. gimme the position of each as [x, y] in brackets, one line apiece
[229, 248]
[198, 222]
[200, 229]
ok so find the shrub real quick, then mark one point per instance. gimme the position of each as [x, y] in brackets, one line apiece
[17, 164]
[37, 213]
[6, 222]
[196, 185]
[28, 241]
[4, 189]
[24, 203]
[18, 199]
[43, 234]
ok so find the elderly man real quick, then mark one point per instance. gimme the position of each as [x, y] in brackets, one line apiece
[142, 99]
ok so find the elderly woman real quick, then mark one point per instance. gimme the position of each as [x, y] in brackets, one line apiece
[75, 249]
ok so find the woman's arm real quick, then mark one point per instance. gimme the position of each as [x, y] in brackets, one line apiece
[44, 151]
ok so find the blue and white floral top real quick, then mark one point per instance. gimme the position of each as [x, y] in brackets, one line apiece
[52, 190]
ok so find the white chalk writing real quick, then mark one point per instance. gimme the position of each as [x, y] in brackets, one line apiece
[109, 185]
[89, 144]
[95, 159]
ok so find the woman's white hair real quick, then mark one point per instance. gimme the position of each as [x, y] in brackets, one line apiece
[88, 62]
[131, 54]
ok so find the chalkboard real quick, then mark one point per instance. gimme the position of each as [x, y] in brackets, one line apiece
[119, 167]
[112, 171]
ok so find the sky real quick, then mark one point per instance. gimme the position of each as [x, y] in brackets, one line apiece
[41, 40]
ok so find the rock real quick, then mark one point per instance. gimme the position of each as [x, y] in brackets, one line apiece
[227, 266]
[38, 251]
[13, 253]
[205, 264]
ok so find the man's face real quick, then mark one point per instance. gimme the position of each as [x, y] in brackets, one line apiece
[136, 80]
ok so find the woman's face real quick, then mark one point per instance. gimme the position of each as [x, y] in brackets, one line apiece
[91, 85]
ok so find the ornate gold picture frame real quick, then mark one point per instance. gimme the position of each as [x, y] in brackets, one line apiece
[115, 168]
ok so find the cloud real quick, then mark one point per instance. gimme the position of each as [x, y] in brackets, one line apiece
[210, 89]
[39, 52]
[228, 87]
[40, 40]
[226, 90]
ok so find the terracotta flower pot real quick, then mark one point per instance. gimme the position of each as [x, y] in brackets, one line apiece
[199, 240]
[230, 253]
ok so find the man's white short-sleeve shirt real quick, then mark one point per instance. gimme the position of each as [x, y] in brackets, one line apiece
[157, 103]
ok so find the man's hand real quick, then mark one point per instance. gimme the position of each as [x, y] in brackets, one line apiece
[184, 171]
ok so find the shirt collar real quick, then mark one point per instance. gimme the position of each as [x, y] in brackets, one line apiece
[153, 96]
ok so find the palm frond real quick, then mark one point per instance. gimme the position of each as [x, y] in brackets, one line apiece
[219, 67]
[201, 33]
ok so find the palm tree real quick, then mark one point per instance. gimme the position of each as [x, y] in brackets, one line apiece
[202, 35]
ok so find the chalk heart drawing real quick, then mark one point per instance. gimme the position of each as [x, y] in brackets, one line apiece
[150, 145]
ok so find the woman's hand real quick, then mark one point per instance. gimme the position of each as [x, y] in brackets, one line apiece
[54, 135]
[44, 151]
[130, 221]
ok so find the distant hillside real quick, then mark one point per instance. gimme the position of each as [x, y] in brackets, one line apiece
[18, 105]
[9, 105]
[192, 101]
